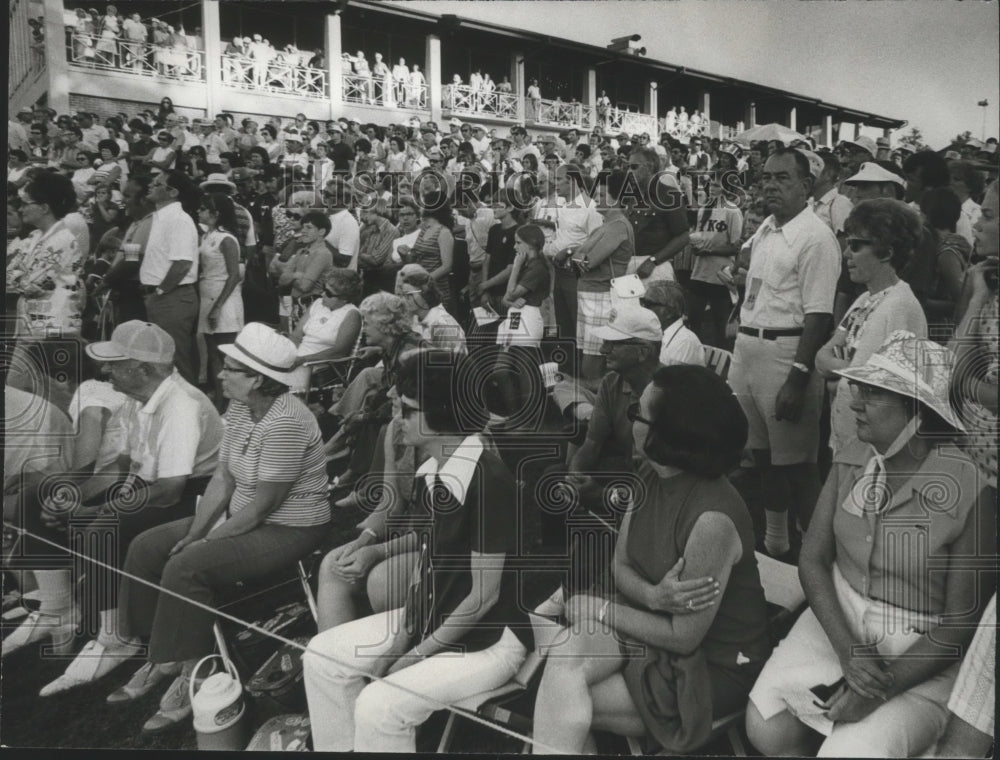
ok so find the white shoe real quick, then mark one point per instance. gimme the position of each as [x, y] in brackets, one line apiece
[94, 662]
[38, 627]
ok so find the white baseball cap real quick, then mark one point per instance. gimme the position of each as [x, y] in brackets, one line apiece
[631, 323]
[135, 339]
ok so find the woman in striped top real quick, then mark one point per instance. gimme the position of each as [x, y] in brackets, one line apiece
[269, 491]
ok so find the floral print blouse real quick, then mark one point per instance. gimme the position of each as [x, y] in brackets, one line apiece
[47, 272]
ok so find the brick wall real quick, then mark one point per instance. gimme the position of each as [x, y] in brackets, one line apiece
[105, 107]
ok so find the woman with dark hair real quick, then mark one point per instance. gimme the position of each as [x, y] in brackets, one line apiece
[269, 142]
[942, 209]
[435, 244]
[220, 299]
[461, 630]
[269, 488]
[395, 161]
[303, 276]
[642, 663]
[196, 163]
[166, 108]
[881, 236]
[882, 628]
[109, 171]
[49, 277]
[375, 251]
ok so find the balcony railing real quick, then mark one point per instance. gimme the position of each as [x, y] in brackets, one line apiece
[632, 122]
[379, 92]
[462, 99]
[281, 74]
[559, 114]
[131, 57]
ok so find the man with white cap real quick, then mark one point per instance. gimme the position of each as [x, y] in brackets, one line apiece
[631, 349]
[827, 202]
[480, 141]
[876, 180]
[170, 446]
[785, 319]
[851, 154]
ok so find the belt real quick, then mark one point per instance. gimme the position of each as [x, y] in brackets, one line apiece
[766, 334]
[150, 289]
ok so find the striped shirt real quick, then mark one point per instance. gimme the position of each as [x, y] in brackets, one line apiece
[284, 446]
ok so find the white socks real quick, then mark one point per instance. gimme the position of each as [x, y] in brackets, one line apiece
[776, 534]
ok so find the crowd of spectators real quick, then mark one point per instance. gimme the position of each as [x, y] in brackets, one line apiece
[215, 268]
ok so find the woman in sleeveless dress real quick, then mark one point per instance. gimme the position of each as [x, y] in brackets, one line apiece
[434, 245]
[655, 658]
[220, 315]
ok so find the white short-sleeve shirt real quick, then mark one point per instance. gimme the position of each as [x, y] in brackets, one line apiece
[172, 237]
[793, 272]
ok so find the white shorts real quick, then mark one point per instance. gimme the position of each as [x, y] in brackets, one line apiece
[522, 327]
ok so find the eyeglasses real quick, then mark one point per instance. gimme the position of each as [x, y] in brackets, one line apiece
[869, 394]
[633, 415]
[856, 244]
[293, 216]
[231, 370]
[647, 304]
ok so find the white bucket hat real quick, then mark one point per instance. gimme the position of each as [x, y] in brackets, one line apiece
[264, 350]
[913, 367]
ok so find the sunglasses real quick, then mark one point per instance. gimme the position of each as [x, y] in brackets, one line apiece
[856, 244]
[407, 411]
[295, 217]
[231, 370]
[633, 414]
[647, 304]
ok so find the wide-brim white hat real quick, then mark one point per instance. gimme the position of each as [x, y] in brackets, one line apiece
[264, 350]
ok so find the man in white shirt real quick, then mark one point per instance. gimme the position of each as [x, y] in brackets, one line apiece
[480, 141]
[570, 139]
[574, 222]
[786, 317]
[827, 203]
[679, 345]
[967, 183]
[169, 269]
[521, 145]
[92, 133]
[345, 232]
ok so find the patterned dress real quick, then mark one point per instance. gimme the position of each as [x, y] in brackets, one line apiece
[981, 441]
[49, 275]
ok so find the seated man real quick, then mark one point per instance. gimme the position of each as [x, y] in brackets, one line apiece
[679, 345]
[631, 347]
[171, 442]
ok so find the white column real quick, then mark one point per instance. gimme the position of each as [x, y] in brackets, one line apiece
[334, 72]
[432, 62]
[55, 57]
[211, 30]
[705, 105]
[828, 130]
[750, 116]
[517, 82]
[651, 103]
[792, 117]
[590, 87]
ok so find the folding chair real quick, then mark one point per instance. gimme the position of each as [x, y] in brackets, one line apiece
[490, 704]
[785, 600]
[342, 371]
[718, 360]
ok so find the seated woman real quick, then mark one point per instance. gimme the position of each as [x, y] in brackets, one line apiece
[329, 329]
[430, 318]
[389, 335]
[875, 629]
[375, 254]
[270, 486]
[461, 630]
[881, 235]
[652, 660]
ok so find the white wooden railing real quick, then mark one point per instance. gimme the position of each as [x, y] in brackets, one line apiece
[462, 99]
[282, 74]
[359, 88]
[131, 57]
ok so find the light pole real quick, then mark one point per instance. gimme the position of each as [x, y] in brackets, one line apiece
[984, 104]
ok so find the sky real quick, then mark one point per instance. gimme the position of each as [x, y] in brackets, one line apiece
[926, 61]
